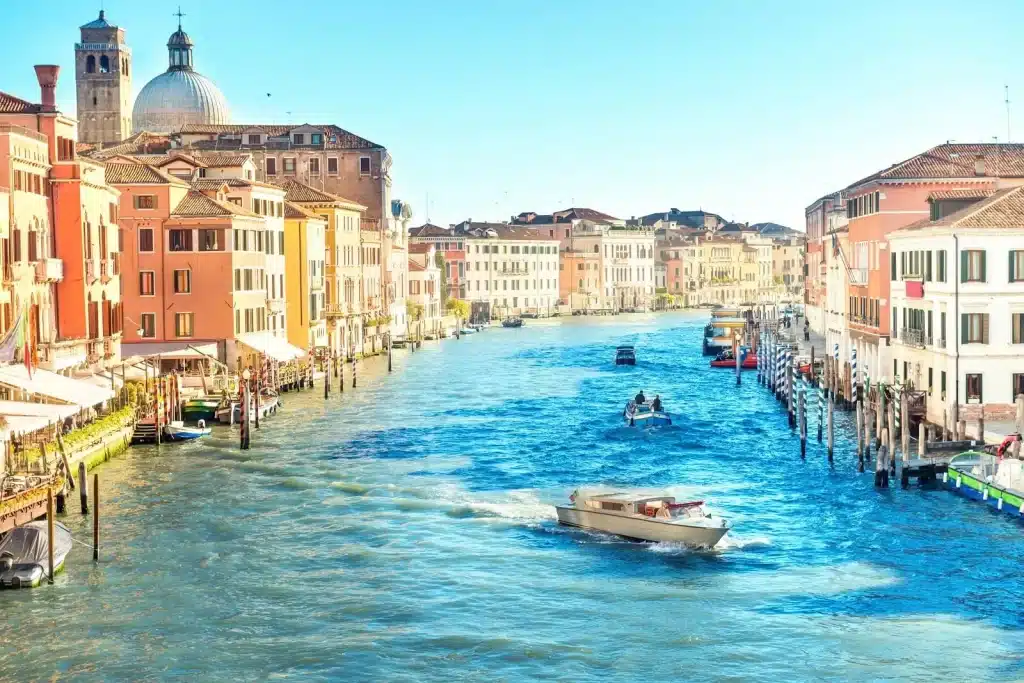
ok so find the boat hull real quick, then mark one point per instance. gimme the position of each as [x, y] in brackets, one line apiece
[650, 419]
[193, 411]
[964, 484]
[642, 529]
[748, 364]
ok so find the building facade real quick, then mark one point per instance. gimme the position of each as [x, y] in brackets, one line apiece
[103, 79]
[424, 292]
[305, 250]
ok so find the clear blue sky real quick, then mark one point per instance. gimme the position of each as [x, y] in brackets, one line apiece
[748, 108]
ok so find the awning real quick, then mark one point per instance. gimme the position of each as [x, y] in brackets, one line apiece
[275, 347]
[52, 385]
[169, 350]
[23, 424]
[50, 410]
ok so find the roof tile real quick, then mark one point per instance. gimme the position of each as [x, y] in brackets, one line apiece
[195, 204]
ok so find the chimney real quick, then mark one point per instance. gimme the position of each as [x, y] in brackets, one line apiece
[46, 74]
[979, 165]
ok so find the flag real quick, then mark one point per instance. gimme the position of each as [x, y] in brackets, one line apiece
[572, 498]
[26, 331]
[11, 342]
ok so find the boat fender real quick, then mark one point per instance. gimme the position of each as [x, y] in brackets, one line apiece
[202, 424]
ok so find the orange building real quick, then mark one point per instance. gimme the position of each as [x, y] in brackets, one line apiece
[891, 199]
[77, 322]
[579, 279]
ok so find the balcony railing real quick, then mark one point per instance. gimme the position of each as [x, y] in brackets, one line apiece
[940, 343]
[276, 305]
[335, 310]
[91, 271]
[912, 337]
[49, 270]
[316, 282]
[858, 276]
[515, 272]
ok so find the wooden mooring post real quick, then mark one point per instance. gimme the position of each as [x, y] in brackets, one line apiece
[95, 517]
[831, 426]
[868, 419]
[904, 429]
[49, 532]
[791, 389]
[981, 425]
[353, 372]
[821, 411]
[881, 464]
[803, 422]
[922, 440]
[83, 485]
[860, 437]
[327, 377]
[735, 354]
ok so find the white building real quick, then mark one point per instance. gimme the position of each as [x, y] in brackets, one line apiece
[627, 262]
[510, 270]
[424, 293]
[958, 307]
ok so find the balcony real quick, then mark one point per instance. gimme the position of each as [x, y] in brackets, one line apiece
[91, 271]
[332, 311]
[940, 343]
[316, 282]
[106, 270]
[276, 305]
[108, 348]
[49, 270]
[911, 337]
[515, 272]
[858, 276]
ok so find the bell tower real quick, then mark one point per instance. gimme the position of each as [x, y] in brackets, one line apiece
[103, 64]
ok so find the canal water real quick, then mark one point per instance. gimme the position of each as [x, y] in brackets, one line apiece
[405, 532]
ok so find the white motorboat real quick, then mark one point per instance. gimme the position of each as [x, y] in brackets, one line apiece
[644, 415]
[644, 518]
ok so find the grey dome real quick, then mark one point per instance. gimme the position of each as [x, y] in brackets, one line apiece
[175, 98]
[179, 37]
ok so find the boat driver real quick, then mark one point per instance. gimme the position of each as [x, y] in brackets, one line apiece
[656, 404]
[640, 399]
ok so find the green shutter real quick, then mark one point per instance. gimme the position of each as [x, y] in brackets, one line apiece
[983, 279]
[1010, 270]
[892, 261]
[963, 328]
[963, 266]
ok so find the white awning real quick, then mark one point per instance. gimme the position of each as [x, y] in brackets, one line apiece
[51, 410]
[23, 424]
[275, 347]
[52, 385]
[169, 350]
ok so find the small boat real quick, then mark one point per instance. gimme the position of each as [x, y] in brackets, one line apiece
[625, 355]
[512, 322]
[24, 554]
[727, 360]
[644, 518]
[642, 415]
[230, 414]
[204, 408]
[989, 478]
[467, 330]
[179, 431]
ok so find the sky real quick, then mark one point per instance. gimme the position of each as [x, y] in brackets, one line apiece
[747, 108]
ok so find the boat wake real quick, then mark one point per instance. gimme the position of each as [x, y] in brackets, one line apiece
[517, 506]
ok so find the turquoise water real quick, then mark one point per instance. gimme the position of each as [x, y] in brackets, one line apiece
[405, 532]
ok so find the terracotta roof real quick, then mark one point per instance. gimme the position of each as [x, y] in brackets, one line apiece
[1003, 209]
[966, 193]
[300, 192]
[343, 138]
[503, 231]
[139, 174]
[953, 160]
[584, 214]
[84, 147]
[9, 104]
[195, 204]
[214, 183]
[296, 211]
[142, 142]
[420, 248]
[415, 267]
[208, 159]
[429, 230]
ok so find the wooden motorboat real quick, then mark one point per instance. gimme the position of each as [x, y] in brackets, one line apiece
[644, 518]
[727, 360]
[644, 415]
[512, 322]
[204, 408]
[179, 431]
[24, 554]
[230, 414]
[989, 478]
[625, 355]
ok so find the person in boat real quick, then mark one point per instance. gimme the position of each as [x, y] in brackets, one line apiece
[656, 403]
[640, 399]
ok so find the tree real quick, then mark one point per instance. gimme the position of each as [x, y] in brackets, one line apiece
[458, 308]
[442, 266]
[413, 310]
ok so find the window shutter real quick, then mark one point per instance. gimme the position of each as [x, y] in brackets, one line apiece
[903, 263]
[984, 328]
[928, 268]
[983, 279]
[963, 328]
[892, 260]
[1010, 270]
[963, 266]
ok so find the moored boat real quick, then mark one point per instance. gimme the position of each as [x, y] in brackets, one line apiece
[989, 478]
[512, 322]
[179, 431]
[230, 414]
[726, 360]
[204, 408]
[625, 355]
[24, 554]
[644, 518]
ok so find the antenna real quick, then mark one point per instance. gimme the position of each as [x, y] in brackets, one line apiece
[1006, 90]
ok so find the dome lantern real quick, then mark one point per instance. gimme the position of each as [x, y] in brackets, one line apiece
[179, 48]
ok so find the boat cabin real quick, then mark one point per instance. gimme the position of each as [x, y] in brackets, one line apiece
[664, 507]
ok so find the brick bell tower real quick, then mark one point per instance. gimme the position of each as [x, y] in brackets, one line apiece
[103, 79]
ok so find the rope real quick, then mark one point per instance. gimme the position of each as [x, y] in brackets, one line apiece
[87, 545]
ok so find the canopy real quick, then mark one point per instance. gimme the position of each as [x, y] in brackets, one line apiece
[52, 385]
[275, 347]
[170, 350]
[51, 410]
[28, 543]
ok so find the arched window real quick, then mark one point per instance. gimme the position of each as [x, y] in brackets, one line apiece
[597, 249]
[104, 65]
[90, 64]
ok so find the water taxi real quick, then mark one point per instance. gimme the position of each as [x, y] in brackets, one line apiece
[644, 518]
[720, 334]
[625, 355]
[179, 431]
[989, 478]
[512, 322]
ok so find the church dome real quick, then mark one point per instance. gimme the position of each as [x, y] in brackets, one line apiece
[180, 95]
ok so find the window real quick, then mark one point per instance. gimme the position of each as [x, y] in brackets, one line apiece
[271, 166]
[942, 326]
[974, 388]
[299, 139]
[183, 281]
[145, 239]
[1018, 328]
[892, 266]
[364, 165]
[90, 64]
[972, 265]
[145, 201]
[316, 138]
[183, 324]
[931, 380]
[314, 166]
[289, 165]
[180, 240]
[928, 266]
[1016, 266]
[211, 240]
[940, 270]
[147, 325]
[104, 64]
[942, 385]
[974, 328]
[332, 166]
[147, 283]
[254, 139]
[1018, 385]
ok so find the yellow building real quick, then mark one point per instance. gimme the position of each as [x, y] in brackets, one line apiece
[342, 261]
[304, 267]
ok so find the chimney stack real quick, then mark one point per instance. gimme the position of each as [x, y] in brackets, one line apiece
[979, 165]
[47, 74]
